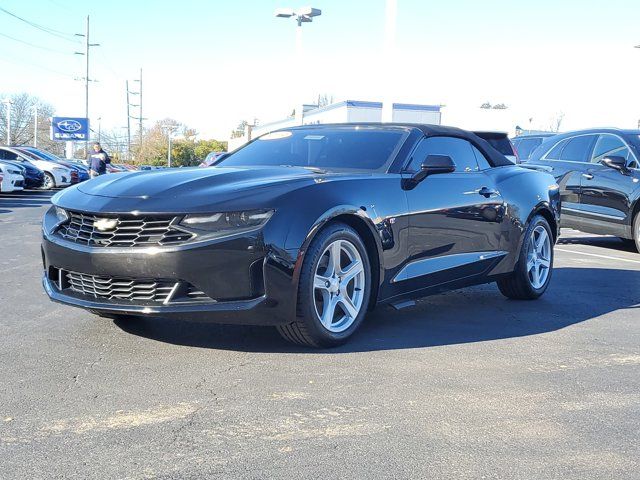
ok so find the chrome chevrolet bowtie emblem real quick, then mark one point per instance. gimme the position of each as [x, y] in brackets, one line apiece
[105, 224]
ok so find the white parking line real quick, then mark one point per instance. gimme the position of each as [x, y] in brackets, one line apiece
[599, 256]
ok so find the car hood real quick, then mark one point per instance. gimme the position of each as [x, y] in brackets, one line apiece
[46, 165]
[187, 189]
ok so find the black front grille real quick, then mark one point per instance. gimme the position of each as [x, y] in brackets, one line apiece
[119, 289]
[138, 291]
[131, 231]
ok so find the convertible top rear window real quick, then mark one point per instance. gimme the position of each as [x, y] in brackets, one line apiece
[326, 148]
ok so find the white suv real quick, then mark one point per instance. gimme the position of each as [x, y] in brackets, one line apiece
[10, 178]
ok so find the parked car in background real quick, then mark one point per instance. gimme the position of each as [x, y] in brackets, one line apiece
[55, 175]
[33, 176]
[500, 141]
[212, 158]
[307, 229]
[598, 172]
[82, 173]
[12, 179]
[526, 144]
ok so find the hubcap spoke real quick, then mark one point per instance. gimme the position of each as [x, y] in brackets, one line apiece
[320, 282]
[348, 306]
[329, 311]
[351, 271]
[542, 241]
[334, 259]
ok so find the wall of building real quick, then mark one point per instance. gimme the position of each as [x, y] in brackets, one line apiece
[349, 111]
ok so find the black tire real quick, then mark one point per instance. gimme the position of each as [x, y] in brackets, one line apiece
[307, 329]
[49, 181]
[518, 285]
[636, 231]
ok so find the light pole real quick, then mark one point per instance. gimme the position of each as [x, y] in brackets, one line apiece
[302, 15]
[8, 103]
[168, 130]
[391, 14]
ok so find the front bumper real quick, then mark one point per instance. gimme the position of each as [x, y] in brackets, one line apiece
[246, 281]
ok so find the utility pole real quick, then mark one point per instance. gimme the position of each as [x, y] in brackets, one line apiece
[87, 79]
[140, 109]
[128, 123]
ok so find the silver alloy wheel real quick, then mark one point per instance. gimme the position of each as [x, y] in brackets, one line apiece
[538, 257]
[49, 182]
[338, 286]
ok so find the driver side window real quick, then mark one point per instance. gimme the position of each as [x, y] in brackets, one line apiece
[612, 145]
[460, 151]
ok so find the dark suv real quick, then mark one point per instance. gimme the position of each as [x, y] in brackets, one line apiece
[599, 176]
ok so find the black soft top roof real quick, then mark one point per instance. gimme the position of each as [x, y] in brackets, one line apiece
[494, 157]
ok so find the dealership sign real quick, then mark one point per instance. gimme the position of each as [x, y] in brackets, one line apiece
[69, 128]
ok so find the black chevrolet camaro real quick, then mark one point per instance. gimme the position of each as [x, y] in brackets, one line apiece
[305, 229]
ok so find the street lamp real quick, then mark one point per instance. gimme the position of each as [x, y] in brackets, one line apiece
[168, 130]
[301, 15]
[8, 103]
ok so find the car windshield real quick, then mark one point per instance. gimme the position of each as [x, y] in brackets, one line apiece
[526, 146]
[348, 148]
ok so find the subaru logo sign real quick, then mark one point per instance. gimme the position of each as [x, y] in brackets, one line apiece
[69, 128]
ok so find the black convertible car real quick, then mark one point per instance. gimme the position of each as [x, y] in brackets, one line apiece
[306, 229]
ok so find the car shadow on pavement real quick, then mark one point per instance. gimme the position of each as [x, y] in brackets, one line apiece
[25, 198]
[463, 316]
[613, 243]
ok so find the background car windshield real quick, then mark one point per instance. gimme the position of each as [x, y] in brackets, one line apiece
[526, 146]
[332, 149]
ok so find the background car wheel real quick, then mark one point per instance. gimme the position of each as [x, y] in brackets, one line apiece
[535, 265]
[334, 289]
[49, 181]
[636, 231]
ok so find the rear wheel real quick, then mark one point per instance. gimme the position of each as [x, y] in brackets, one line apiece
[531, 277]
[636, 231]
[49, 181]
[334, 289]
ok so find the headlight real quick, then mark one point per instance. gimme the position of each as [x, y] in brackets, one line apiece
[227, 223]
[61, 215]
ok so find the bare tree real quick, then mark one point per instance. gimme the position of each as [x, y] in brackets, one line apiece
[556, 122]
[23, 107]
[324, 100]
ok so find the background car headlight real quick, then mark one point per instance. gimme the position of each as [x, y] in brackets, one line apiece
[226, 223]
[61, 214]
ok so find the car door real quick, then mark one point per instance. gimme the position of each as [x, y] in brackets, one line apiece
[569, 160]
[455, 219]
[605, 193]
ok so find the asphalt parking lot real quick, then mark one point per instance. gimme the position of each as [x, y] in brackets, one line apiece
[464, 385]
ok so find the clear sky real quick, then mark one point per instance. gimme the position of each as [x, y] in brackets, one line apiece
[210, 64]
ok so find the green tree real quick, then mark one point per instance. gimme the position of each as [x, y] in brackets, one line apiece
[205, 147]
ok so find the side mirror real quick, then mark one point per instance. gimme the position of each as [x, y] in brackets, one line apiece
[616, 162]
[432, 165]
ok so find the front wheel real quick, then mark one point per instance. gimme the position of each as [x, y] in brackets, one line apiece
[49, 181]
[334, 289]
[533, 271]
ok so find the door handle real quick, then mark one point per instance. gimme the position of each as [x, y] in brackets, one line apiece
[487, 192]
[588, 176]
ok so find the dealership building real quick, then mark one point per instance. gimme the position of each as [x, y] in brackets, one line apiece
[343, 112]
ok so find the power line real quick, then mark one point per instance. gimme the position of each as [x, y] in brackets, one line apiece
[50, 31]
[28, 64]
[34, 45]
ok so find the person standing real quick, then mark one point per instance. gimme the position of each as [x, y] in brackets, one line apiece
[98, 161]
